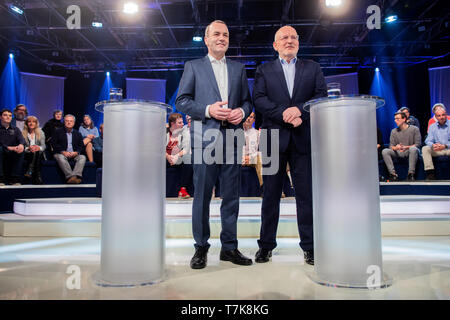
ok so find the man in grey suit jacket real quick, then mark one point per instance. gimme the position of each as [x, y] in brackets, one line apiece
[214, 92]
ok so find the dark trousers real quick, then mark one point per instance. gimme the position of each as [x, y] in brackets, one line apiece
[185, 171]
[205, 178]
[33, 162]
[11, 163]
[300, 168]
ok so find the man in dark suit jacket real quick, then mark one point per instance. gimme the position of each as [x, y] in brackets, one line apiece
[67, 143]
[281, 88]
[214, 92]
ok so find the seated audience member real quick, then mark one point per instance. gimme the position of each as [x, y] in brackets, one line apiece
[89, 132]
[437, 141]
[404, 142]
[97, 146]
[411, 120]
[20, 114]
[250, 154]
[67, 144]
[11, 150]
[433, 119]
[51, 125]
[177, 146]
[34, 149]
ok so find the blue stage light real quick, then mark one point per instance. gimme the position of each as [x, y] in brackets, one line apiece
[16, 9]
[11, 56]
[97, 24]
[197, 38]
[377, 69]
[391, 19]
[108, 74]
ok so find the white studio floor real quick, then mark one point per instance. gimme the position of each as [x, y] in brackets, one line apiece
[35, 268]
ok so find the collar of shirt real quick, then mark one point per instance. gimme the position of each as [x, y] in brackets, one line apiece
[214, 60]
[284, 62]
[444, 125]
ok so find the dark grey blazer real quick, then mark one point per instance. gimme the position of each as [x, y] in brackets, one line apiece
[198, 88]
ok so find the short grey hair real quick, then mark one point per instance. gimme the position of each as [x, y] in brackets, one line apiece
[438, 105]
[70, 115]
[209, 25]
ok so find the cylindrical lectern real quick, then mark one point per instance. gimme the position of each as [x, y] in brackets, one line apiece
[133, 193]
[346, 197]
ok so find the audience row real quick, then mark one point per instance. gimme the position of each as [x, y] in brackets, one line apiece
[23, 143]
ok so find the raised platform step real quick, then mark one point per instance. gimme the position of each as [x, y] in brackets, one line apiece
[400, 216]
[249, 207]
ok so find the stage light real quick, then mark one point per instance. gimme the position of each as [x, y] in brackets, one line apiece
[97, 24]
[333, 3]
[108, 74]
[391, 19]
[130, 8]
[377, 69]
[197, 38]
[16, 9]
[11, 56]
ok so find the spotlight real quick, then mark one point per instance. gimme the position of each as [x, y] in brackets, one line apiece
[130, 8]
[97, 24]
[108, 74]
[16, 9]
[333, 3]
[197, 38]
[11, 56]
[377, 69]
[391, 19]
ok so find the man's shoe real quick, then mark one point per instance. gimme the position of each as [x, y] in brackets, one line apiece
[309, 257]
[200, 258]
[77, 180]
[430, 177]
[263, 255]
[393, 177]
[2, 181]
[411, 177]
[72, 180]
[183, 193]
[235, 257]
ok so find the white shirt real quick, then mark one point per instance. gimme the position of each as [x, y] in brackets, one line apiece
[251, 144]
[221, 74]
[289, 73]
[32, 139]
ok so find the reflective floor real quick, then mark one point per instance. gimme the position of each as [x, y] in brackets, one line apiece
[35, 268]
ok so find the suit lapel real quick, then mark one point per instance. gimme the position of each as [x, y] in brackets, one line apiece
[278, 70]
[298, 76]
[211, 77]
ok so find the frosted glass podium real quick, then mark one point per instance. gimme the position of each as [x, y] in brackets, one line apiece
[133, 193]
[346, 197]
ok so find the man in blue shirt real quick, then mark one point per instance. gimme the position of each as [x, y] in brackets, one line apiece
[282, 86]
[437, 142]
[68, 144]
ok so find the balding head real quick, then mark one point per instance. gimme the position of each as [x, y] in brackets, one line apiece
[286, 43]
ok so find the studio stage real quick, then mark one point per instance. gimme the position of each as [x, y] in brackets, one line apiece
[401, 215]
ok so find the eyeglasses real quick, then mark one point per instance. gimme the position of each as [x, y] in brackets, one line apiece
[286, 38]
